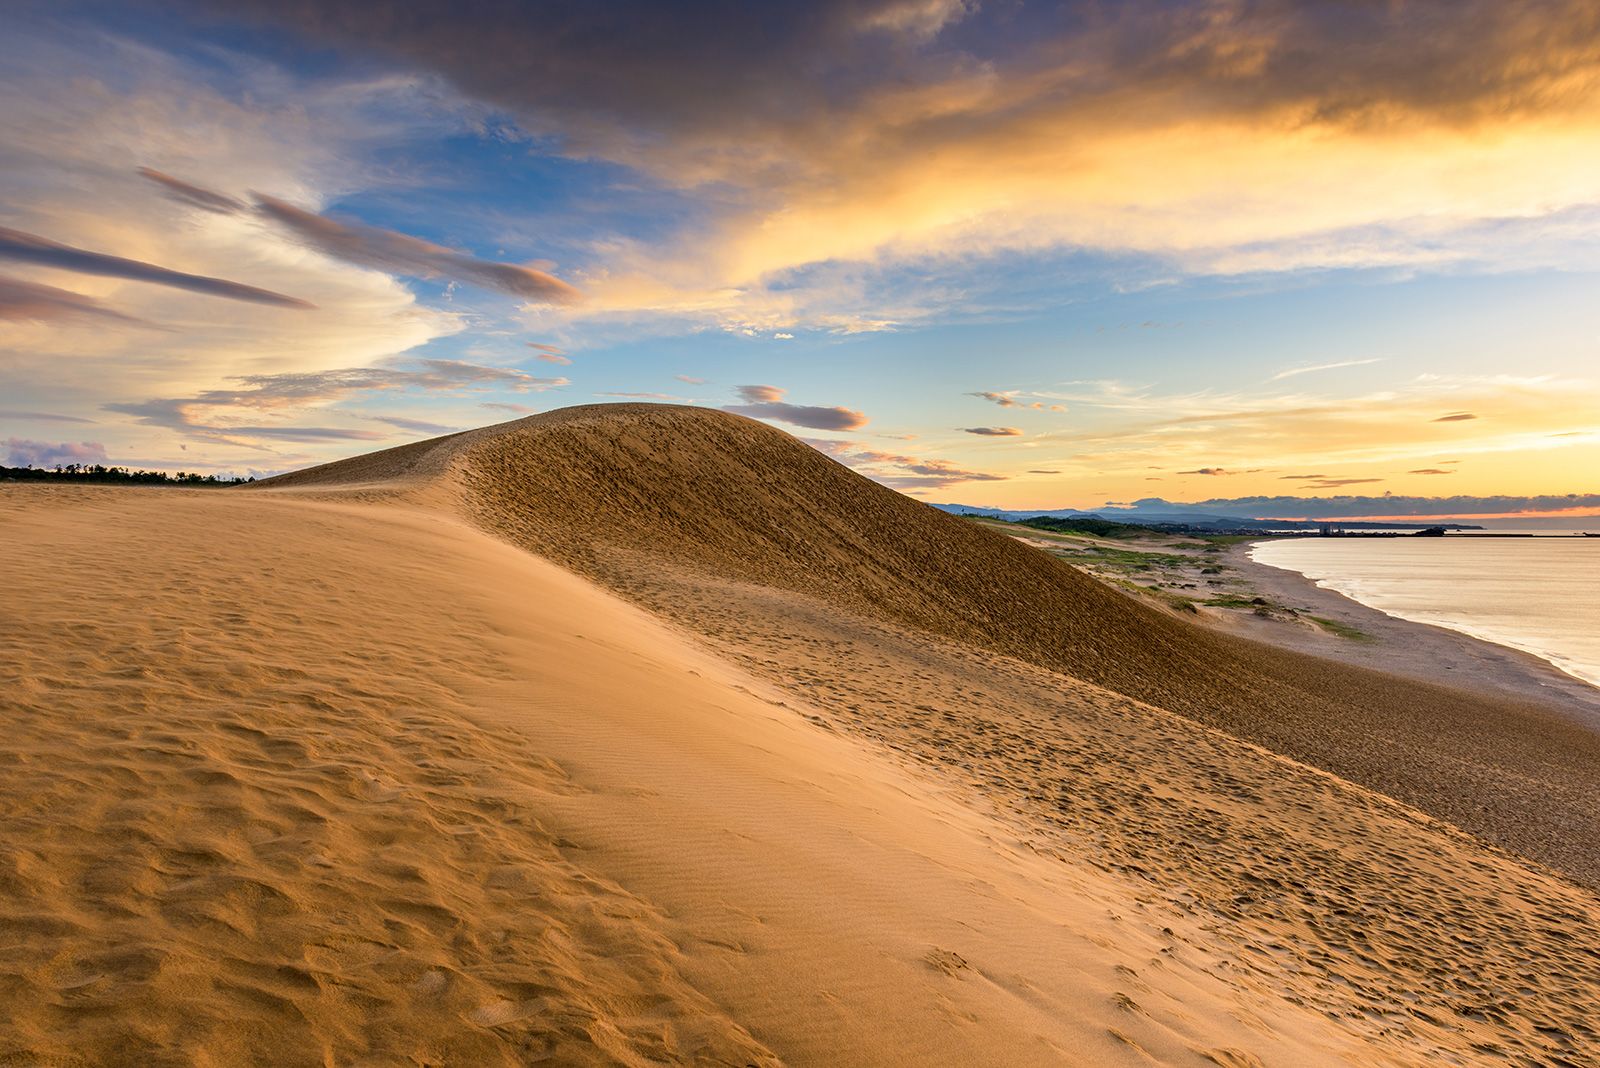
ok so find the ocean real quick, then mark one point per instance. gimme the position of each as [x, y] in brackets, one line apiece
[1540, 595]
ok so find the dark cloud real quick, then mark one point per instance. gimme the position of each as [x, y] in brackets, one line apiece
[766, 402]
[403, 254]
[1302, 478]
[1455, 417]
[993, 431]
[1207, 471]
[193, 195]
[1430, 471]
[27, 248]
[1043, 471]
[31, 302]
[719, 85]
[20, 452]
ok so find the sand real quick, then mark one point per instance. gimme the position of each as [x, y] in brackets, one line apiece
[339, 772]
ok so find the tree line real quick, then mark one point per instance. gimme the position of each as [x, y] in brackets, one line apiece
[102, 473]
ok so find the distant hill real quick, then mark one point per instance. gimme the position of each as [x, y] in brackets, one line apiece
[1181, 521]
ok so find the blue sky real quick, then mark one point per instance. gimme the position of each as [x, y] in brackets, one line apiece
[1005, 254]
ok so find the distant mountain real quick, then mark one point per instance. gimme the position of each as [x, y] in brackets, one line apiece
[1196, 520]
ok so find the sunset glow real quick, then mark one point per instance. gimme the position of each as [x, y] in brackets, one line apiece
[1040, 256]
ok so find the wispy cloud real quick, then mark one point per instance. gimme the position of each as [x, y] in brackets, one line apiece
[1295, 371]
[230, 414]
[993, 431]
[909, 473]
[391, 251]
[40, 417]
[1012, 399]
[549, 354]
[29, 248]
[34, 302]
[401, 422]
[193, 195]
[1456, 417]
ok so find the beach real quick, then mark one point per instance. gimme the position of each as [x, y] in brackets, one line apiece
[1413, 649]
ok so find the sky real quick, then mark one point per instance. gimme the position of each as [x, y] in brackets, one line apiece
[1274, 258]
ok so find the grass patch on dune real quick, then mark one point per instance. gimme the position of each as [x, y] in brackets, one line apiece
[1343, 630]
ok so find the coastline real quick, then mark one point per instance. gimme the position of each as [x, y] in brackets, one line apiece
[1399, 646]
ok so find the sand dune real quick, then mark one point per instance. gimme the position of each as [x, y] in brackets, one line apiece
[775, 766]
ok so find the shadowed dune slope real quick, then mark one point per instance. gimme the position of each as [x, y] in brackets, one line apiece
[617, 492]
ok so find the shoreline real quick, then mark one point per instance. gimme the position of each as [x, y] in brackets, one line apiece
[1424, 651]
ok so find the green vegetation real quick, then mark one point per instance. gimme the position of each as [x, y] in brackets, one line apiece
[1227, 601]
[1343, 630]
[1099, 528]
[98, 473]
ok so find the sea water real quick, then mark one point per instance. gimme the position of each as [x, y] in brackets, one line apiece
[1537, 594]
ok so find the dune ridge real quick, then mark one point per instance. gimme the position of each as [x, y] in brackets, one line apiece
[629, 494]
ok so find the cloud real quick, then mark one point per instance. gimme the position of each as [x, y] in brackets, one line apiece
[1388, 505]
[1207, 471]
[401, 253]
[1302, 478]
[549, 354]
[422, 426]
[1043, 471]
[40, 417]
[20, 452]
[1008, 399]
[193, 195]
[899, 471]
[1430, 471]
[1294, 371]
[690, 380]
[993, 431]
[28, 248]
[228, 414]
[640, 396]
[1335, 483]
[503, 406]
[32, 302]
[1005, 400]
[1336, 134]
[766, 402]
[386, 250]
[1457, 417]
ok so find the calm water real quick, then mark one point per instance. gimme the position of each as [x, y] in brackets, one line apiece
[1540, 595]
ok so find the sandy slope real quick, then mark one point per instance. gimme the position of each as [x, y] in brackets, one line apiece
[287, 781]
[321, 771]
